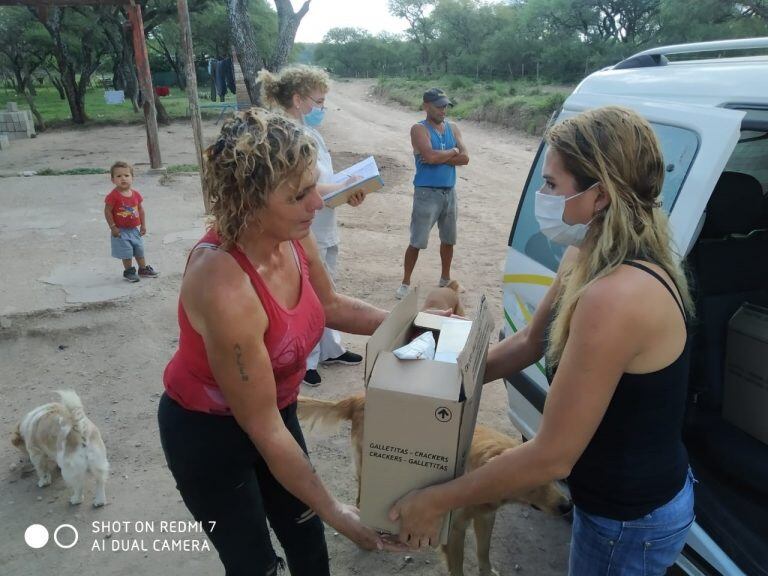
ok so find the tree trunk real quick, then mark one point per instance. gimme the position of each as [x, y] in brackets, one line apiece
[162, 114]
[173, 61]
[76, 108]
[39, 122]
[288, 24]
[56, 83]
[129, 68]
[23, 84]
[123, 72]
[64, 61]
[243, 40]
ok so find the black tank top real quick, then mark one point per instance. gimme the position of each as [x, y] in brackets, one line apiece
[636, 460]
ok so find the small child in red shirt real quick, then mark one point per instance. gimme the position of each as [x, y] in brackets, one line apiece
[125, 215]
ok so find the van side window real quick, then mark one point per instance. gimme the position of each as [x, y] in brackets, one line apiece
[679, 147]
[751, 156]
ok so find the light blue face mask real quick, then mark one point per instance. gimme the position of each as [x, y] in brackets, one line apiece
[549, 210]
[315, 116]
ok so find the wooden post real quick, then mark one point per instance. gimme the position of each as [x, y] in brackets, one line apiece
[194, 106]
[145, 82]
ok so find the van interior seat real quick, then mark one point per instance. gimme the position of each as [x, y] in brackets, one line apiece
[729, 265]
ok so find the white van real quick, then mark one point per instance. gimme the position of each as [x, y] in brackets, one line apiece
[711, 116]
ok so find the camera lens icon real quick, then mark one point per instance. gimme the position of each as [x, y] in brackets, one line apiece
[65, 536]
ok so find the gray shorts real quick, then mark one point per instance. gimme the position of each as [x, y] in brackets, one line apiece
[128, 245]
[432, 205]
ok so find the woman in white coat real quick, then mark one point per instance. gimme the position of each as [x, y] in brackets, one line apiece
[301, 91]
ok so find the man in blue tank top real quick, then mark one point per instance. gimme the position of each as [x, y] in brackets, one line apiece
[437, 149]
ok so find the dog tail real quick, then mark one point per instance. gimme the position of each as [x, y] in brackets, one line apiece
[16, 438]
[454, 285]
[72, 402]
[326, 414]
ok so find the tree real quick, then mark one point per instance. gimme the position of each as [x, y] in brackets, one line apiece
[78, 50]
[243, 39]
[210, 30]
[24, 48]
[288, 24]
[243, 35]
[118, 35]
[166, 42]
[421, 26]
[462, 27]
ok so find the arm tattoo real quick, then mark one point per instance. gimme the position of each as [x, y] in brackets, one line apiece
[240, 366]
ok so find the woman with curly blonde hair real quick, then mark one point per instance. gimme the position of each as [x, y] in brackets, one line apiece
[300, 92]
[616, 324]
[254, 299]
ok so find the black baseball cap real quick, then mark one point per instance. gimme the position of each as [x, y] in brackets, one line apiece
[437, 97]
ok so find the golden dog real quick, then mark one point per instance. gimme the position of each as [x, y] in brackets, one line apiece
[445, 298]
[486, 444]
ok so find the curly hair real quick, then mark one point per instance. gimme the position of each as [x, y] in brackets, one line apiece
[299, 79]
[255, 153]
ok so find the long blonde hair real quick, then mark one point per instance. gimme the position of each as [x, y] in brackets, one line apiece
[255, 153]
[617, 148]
[299, 79]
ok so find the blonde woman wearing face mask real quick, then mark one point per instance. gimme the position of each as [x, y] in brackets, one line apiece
[618, 355]
[300, 91]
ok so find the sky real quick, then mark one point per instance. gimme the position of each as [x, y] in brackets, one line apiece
[371, 15]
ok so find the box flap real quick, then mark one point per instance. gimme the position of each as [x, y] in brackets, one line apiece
[472, 358]
[418, 377]
[388, 331]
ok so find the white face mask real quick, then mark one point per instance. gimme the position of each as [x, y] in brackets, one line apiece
[549, 210]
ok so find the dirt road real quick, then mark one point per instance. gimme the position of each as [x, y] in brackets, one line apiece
[68, 321]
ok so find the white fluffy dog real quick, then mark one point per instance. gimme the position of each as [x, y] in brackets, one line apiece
[61, 434]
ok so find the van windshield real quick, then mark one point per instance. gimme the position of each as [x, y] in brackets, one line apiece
[679, 147]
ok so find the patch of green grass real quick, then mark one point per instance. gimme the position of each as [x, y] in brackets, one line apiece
[71, 171]
[55, 112]
[177, 168]
[517, 104]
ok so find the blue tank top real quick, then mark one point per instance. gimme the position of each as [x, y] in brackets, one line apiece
[436, 175]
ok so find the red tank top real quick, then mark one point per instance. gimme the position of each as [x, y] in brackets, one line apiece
[290, 337]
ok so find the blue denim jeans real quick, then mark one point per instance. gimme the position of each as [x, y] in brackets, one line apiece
[646, 546]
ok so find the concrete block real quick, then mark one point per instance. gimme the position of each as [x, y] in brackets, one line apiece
[12, 107]
[5, 143]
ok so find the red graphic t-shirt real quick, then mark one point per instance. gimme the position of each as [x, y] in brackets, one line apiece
[125, 209]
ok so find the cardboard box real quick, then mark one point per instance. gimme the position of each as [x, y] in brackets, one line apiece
[419, 414]
[745, 393]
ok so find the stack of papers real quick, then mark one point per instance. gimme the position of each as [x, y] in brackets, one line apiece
[453, 338]
[368, 180]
